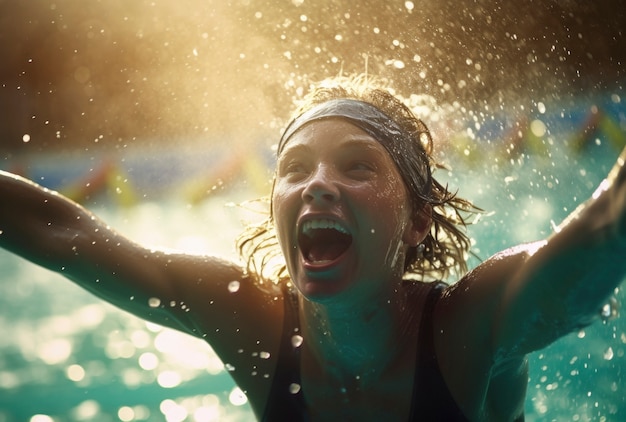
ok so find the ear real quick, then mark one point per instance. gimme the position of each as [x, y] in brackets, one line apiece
[419, 227]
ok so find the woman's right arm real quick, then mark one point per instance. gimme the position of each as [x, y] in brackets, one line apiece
[202, 295]
[186, 292]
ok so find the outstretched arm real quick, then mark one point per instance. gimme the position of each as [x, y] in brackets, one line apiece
[562, 284]
[171, 289]
[530, 295]
[525, 298]
[201, 295]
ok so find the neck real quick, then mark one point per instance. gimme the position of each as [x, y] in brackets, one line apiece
[356, 342]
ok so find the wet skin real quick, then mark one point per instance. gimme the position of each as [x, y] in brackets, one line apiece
[333, 170]
[352, 304]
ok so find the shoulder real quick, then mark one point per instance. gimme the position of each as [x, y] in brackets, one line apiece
[466, 311]
[480, 289]
[464, 320]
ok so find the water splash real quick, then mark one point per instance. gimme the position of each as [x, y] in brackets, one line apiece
[297, 340]
[234, 286]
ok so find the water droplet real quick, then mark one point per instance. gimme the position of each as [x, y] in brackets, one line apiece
[233, 286]
[398, 64]
[296, 340]
[608, 355]
[237, 397]
[294, 388]
[610, 310]
[154, 302]
[264, 355]
[229, 367]
[538, 128]
[541, 107]
[26, 138]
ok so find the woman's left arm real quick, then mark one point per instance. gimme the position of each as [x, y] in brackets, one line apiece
[522, 299]
[562, 283]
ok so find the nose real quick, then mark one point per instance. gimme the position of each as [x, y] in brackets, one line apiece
[321, 186]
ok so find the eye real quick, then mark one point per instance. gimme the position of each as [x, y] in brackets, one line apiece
[293, 169]
[361, 168]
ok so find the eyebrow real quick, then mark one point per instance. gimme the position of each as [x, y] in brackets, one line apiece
[364, 141]
[291, 150]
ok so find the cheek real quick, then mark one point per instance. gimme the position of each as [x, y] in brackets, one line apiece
[283, 215]
[392, 195]
[391, 211]
[279, 197]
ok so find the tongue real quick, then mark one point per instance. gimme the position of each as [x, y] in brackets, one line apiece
[329, 252]
[327, 245]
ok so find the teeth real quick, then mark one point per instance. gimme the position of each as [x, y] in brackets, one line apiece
[322, 223]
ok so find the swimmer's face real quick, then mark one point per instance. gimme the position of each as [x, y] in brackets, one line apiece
[341, 211]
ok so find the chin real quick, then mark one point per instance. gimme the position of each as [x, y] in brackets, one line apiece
[321, 289]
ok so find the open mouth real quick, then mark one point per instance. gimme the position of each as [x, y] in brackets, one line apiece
[322, 241]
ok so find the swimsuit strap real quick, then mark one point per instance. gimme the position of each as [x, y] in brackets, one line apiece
[431, 398]
[286, 402]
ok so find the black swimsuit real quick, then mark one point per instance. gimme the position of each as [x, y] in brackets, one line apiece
[431, 398]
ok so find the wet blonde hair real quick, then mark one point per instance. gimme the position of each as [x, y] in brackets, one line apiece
[446, 247]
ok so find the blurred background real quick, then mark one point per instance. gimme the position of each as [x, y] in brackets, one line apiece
[161, 116]
[74, 72]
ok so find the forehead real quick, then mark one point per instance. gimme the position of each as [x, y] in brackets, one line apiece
[332, 133]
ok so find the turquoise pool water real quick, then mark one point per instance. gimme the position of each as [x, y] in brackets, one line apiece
[66, 356]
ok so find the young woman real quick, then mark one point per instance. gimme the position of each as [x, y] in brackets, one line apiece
[354, 325]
